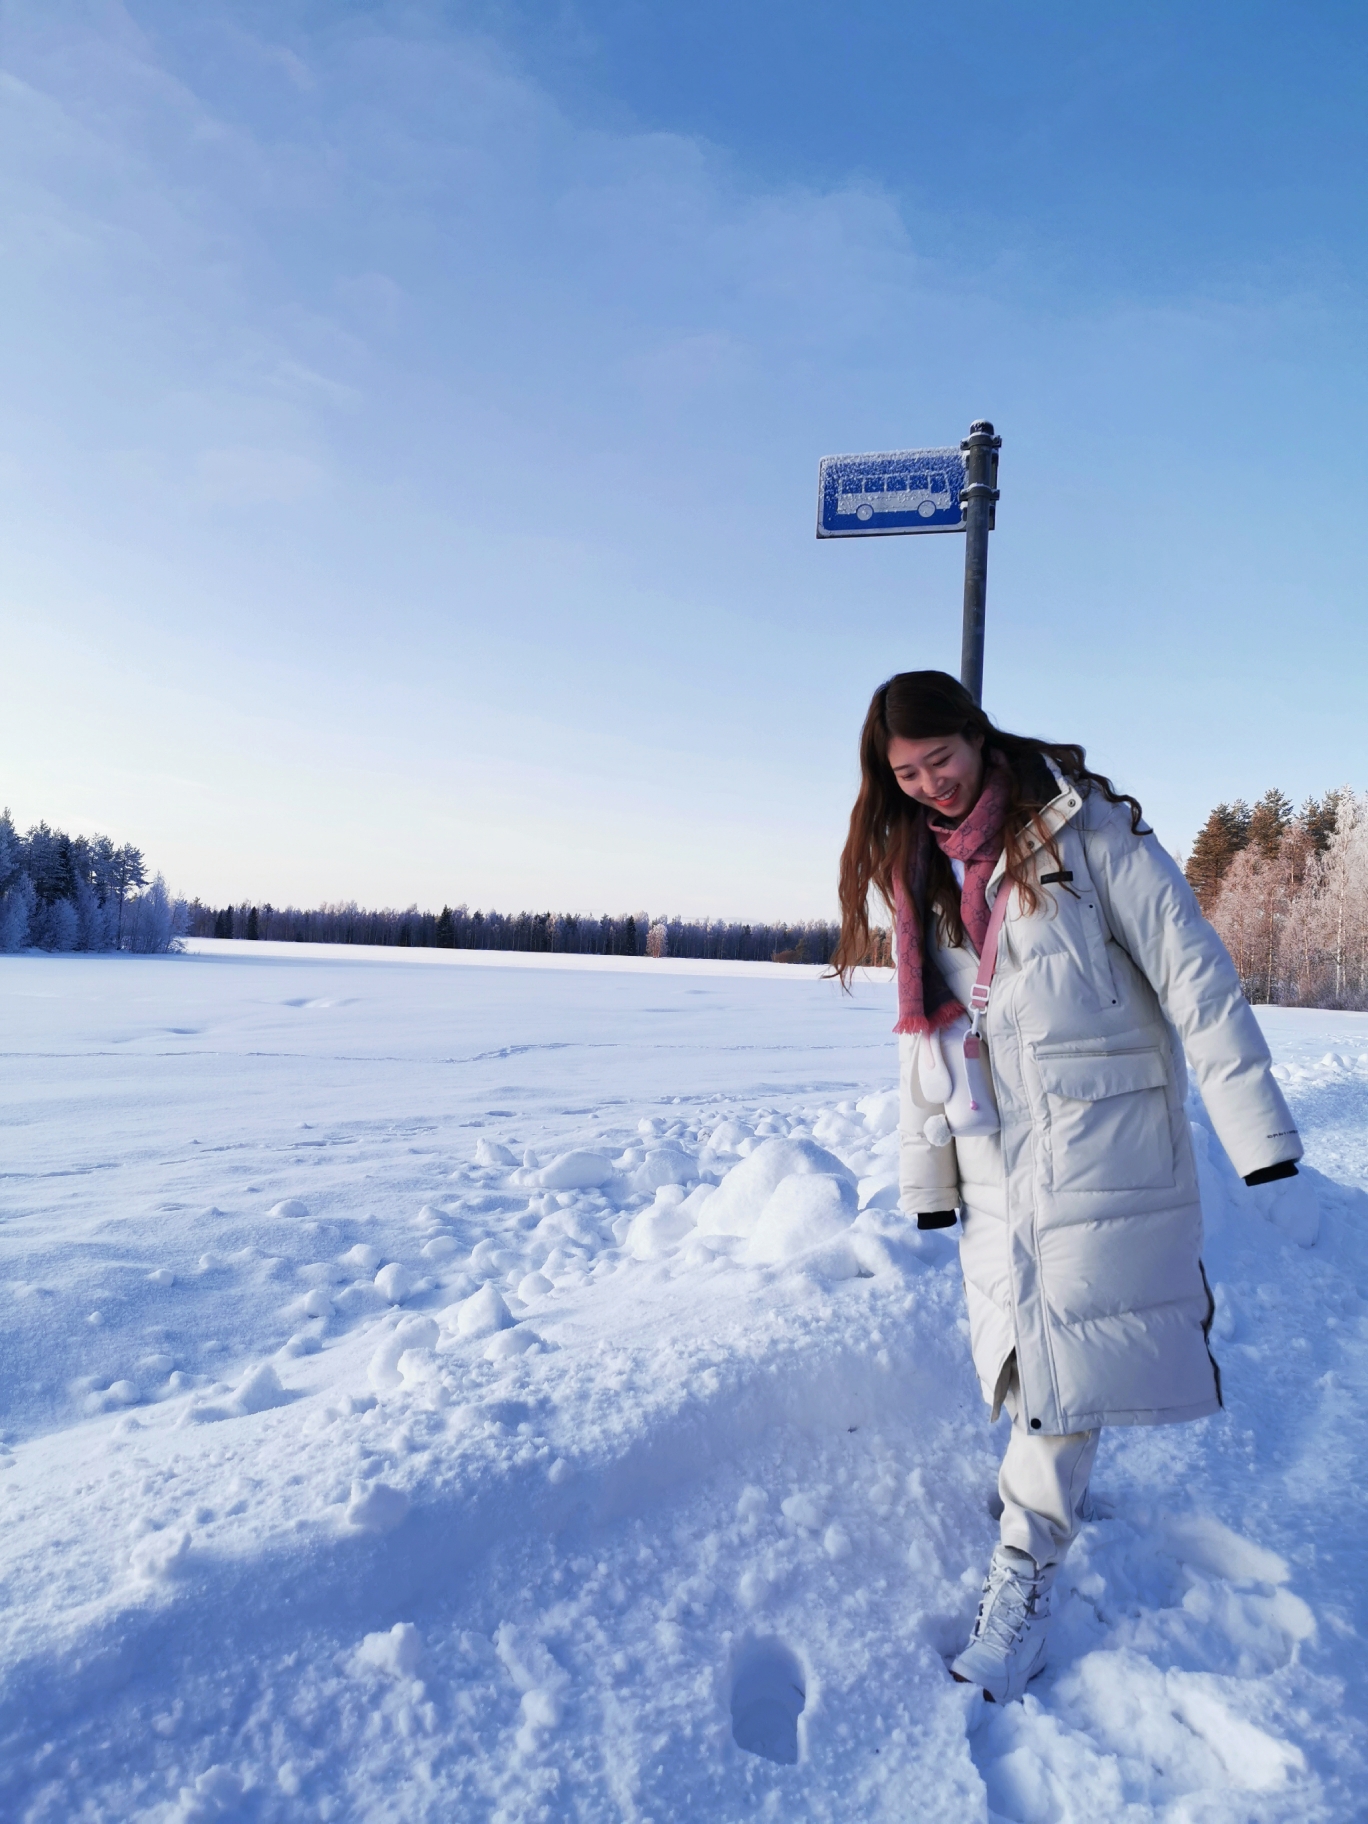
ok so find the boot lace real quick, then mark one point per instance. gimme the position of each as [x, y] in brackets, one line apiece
[1010, 1601]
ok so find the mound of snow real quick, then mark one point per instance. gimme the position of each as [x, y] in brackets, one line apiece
[397, 1654]
[537, 1676]
[661, 1228]
[510, 1343]
[123, 1393]
[290, 1206]
[664, 1165]
[880, 1111]
[258, 1391]
[377, 1509]
[578, 1171]
[1291, 1205]
[159, 1557]
[728, 1137]
[395, 1283]
[838, 1127]
[737, 1204]
[805, 1211]
[482, 1313]
[413, 1333]
[489, 1152]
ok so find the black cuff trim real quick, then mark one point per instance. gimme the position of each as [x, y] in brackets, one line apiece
[936, 1219]
[1285, 1168]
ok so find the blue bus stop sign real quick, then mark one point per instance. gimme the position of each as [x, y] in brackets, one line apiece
[898, 491]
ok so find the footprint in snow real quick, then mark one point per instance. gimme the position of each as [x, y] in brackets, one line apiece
[769, 1694]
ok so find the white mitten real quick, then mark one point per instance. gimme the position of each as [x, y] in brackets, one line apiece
[932, 1069]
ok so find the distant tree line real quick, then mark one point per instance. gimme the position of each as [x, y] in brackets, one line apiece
[458, 928]
[60, 892]
[1288, 892]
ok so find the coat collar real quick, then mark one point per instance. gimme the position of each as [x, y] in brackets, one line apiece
[1065, 805]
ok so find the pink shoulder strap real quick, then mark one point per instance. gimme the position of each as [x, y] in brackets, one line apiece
[978, 994]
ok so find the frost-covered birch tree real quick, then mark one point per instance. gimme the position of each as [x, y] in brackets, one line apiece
[1292, 905]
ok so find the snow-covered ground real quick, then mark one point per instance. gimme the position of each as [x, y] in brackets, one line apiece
[398, 1425]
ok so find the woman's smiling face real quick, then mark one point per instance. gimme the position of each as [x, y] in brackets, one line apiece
[944, 772]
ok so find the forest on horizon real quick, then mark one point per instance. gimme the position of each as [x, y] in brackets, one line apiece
[565, 933]
[1286, 889]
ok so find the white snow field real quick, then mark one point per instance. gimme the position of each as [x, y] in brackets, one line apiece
[460, 1388]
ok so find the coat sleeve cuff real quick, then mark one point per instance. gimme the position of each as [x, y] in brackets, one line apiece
[936, 1219]
[1285, 1168]
[1279, 1148]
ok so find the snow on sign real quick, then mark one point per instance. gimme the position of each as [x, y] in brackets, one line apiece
[897, 491]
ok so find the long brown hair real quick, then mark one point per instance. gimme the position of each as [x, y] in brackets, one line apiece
[918, 705]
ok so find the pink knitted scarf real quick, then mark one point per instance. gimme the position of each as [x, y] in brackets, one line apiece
[925, 1003]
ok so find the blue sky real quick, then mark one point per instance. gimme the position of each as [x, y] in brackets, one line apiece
[412, 415]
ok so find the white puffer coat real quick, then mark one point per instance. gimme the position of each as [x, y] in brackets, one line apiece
[1082, 1229]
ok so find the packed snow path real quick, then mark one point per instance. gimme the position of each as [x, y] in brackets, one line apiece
[442, 1387]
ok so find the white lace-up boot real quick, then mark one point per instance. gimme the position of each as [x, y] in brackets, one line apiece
[1007, 1647]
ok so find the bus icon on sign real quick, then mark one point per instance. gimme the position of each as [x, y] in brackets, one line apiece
[899, 491]
[864, 495]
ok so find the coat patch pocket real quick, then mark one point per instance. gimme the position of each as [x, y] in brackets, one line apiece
[1109, 1121]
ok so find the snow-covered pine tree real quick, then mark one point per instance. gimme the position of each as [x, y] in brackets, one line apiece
[54, 925]
[47, 862]
[16, 914]
[16, 890]
[127, 874]
[1317, 817]
[1268, 822]
[93, 931]
[154, 921]
[1219, 841]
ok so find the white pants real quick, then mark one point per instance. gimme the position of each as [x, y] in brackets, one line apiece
[1042, 1483]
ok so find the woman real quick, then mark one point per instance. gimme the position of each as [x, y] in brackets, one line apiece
[1081, 1228]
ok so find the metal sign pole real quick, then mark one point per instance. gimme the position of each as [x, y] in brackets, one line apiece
[978, 497]
[940, 490]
